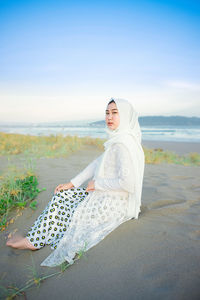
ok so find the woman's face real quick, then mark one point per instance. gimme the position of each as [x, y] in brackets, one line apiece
[112, 116]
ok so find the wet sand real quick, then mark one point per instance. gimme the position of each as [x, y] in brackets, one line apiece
[154, 257]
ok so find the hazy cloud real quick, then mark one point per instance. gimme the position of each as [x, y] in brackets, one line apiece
[184, 85]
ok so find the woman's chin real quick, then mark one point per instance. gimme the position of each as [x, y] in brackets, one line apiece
[110, 127]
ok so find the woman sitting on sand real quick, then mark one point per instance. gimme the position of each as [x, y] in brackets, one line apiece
[77, 218]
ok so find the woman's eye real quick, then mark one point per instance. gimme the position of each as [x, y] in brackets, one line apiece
[114, 112]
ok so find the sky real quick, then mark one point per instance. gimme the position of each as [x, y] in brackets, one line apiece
[64, 60]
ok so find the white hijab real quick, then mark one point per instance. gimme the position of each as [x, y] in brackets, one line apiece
[128, 133]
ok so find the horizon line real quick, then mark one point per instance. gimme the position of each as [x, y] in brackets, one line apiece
[88, 120]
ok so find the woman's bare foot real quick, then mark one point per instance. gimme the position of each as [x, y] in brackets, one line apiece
[20, 242]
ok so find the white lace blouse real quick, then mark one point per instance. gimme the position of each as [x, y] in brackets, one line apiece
[102, 210]
[117, 174]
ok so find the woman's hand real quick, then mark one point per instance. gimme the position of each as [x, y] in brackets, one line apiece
[90, 186]
[64, 186]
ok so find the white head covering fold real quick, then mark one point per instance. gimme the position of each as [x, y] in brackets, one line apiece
[129, 134]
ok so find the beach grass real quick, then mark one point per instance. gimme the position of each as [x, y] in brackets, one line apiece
[62, 146]
[18, 188]
[157, 156]
[44, 146]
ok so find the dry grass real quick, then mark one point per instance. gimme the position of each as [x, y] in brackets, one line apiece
[157, 156]
[62, 146]
[44, 146]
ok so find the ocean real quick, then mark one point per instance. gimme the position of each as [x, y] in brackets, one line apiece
[154, 133]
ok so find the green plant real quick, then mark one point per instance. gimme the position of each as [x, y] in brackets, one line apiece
[17, 190]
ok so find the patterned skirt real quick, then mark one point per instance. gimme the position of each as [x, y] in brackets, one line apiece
[53, 222]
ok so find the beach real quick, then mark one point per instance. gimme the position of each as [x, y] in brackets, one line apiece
[154, 257]
[180, 148]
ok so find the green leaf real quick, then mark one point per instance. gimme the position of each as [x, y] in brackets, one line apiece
[33, 205]
[21, 204]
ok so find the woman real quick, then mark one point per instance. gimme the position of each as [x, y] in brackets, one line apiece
[76, 218]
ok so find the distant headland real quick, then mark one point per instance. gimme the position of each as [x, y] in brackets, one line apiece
[161, 121]
[143, 120]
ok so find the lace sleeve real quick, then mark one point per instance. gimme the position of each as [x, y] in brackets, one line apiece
[86, 174]
[124, 178]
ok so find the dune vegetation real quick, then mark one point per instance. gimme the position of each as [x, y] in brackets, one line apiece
[18, 189]
[157, 156]
[43, 146]
[61, 146]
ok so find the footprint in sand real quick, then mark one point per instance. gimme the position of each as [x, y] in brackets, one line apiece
[164, 203]
[181, 177]
[13, 252]
[195, 235]
[195, 188]
[195, 203]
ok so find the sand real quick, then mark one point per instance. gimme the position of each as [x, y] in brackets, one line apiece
[178, 147]
[154, 257]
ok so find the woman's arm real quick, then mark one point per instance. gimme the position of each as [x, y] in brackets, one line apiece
[124, 178]
[86, 174]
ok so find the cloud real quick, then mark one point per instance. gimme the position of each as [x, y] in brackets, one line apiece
[183, 85]
[47, 103]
